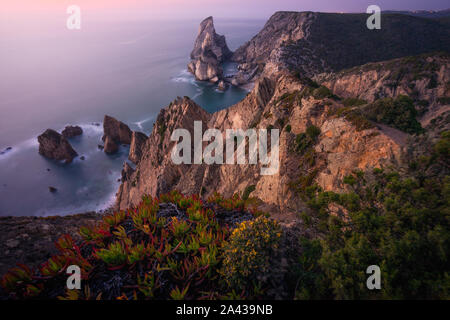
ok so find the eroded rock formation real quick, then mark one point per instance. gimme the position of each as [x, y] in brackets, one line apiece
[53, 145]
[114, 133]
[210, 51]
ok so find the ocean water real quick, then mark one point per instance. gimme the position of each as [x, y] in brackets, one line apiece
[52, 77]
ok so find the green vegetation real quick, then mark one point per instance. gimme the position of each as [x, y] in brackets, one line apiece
[399, 224]
[250, 253]
[304, 141]
[443, 100]
[399, 113]
[247, 192]
[353, 102]
[153, 254]
[354, 116]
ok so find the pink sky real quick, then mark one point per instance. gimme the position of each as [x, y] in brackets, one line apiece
[196, 9]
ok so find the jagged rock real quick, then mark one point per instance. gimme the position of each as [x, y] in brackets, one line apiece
[210, 51]
[115, 132]
[72, 131]
[341, 148]
[138, 140]
[54, 146]
[264, 90]
[110, 146]
[222, 85]
[127, 171]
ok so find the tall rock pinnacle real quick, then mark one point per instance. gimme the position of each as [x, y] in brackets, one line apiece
[210, 51]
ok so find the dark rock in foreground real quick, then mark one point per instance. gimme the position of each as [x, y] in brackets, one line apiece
[30, 240]
[114, 133]
[72, 131]
[52, 145]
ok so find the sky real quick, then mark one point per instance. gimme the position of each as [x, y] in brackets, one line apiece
[197, 9]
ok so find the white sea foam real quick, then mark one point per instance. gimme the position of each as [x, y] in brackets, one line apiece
[140, 123]
[21, 146]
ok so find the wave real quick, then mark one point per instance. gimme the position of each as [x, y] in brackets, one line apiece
[185, 77]
[88, 129]
[140, 123]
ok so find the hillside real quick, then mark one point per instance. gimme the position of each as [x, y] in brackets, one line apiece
[363, 179]
[312, 43]
[348, 137]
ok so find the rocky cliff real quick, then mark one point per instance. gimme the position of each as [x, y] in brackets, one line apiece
[324, 134]
[210, 51]
[310, 43]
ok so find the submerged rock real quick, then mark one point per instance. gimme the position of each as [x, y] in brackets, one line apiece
[115, 132]
[210, 51]
[138, 140]
[53, 145]
[6, 150]
[52, 189]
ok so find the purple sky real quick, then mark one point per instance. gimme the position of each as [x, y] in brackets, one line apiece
[197, 9]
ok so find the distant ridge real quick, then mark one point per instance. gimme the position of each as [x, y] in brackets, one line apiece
[431, 14]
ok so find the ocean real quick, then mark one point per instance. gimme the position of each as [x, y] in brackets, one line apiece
[53, 77]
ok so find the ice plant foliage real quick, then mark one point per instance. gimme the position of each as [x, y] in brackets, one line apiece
[171, 247]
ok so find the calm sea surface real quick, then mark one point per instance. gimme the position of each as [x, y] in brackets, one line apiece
[52, 77]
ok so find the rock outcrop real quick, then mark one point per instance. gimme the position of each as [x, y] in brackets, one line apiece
[310, 43]
[53, 145]
[138, 140]
[210, 51]
[344, 144]
[72, 131]
[114, 133]
[30, 240]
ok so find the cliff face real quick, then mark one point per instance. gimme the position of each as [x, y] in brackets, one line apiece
[346, 142]
[210, 51]
[311, 43]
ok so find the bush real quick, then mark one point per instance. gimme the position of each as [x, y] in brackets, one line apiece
[304, 141]
[165, 248]
[353, 102]
[399, 113]
[249, 252]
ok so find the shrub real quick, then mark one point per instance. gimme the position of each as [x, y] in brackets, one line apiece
[442, 147]
[399, 113]
[288, 128]
[353, 102]
[247, 192]
[249, 251]
[165, 248]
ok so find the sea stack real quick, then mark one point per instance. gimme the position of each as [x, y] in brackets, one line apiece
[210, 51]
[53, 145]
[115, 132]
